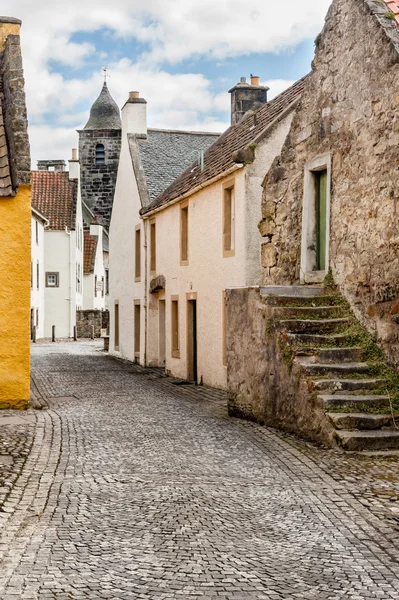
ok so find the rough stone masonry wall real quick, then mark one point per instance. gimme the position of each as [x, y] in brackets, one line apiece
[262, 385]
[350, 108]
[16, 124]
[98, 181]
[87, 319]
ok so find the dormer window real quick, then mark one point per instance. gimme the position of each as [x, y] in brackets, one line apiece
[100, 154]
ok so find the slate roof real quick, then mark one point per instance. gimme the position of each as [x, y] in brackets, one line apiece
[104, 113]
[219, 157]
[89, 252]
[166, 153]
[393, 5]
[55, 196]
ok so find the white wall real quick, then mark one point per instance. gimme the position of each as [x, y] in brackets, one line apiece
[92, 298]
[123, 287]
[37, 287]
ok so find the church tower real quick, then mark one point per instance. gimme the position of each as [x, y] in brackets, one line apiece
[99, 149]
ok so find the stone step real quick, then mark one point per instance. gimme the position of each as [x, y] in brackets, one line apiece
[369, 440]
[333, 369]
[298, 291]
[315, 340]
[355, 402]
[300, 301]
[305, 326]
[333, 355]
[306, 312]
[362, 421]
[349, 385]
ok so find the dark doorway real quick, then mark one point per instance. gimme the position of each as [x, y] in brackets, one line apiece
[192, 369]
[32, 322]
[321, 219]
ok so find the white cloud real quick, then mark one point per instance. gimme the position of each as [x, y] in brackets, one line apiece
[276, 86]
[174, 31]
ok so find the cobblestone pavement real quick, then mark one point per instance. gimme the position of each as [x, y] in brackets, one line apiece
[135, 488]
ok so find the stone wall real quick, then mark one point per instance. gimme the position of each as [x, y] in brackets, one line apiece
[262, 385]
[98, 181]
[350, 109]
[16, 124]
[86, 319]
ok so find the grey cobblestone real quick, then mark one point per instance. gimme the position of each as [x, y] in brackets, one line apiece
[135, 488]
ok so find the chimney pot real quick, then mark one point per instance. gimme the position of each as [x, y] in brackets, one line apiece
[243, 80]
[254, 80]
[134, 95]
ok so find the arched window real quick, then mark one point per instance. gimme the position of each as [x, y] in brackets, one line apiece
[100, 154]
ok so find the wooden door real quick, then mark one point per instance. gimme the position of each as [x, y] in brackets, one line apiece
[321, 220]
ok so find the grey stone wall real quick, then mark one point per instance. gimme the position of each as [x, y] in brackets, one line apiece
[98, 181]
[350, 108]
[14, 109]
[261, 386]
[86, 319]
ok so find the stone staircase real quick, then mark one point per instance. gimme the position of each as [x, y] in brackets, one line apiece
[315, 328]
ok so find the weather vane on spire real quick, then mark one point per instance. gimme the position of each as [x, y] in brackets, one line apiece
[105, 73]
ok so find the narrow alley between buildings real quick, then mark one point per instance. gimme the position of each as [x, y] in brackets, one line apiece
[126, 486]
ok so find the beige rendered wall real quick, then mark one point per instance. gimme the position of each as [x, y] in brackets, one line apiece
[207, 275]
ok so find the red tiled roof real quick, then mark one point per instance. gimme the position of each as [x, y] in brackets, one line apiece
[55, 196]
[394, 6]
[219, 157]
[89, 252]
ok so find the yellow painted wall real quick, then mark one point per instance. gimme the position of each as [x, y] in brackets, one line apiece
[15, 261]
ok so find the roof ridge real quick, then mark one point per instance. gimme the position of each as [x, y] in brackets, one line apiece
[184, 131]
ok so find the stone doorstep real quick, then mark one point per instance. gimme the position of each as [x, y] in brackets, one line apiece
[349, 385]
[311, 326]
[331, 355]
[28, 419]
[304, 312]
[332, 369]
[299, 301]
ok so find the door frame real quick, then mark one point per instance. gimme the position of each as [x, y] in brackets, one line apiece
[192, 337]
[309, 273]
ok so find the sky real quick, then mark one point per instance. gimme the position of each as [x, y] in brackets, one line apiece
[181, 55]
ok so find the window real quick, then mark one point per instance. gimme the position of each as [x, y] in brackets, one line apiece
[175, 327]
[102, 287]
[100, 154]
[153, 247]
[107, 281]
[137, 328]
[95, 286]
[228, 222]
[37, 317]
[137, 255]
[116, 326]
[52, 280]
[37, 276]
[184, 235]
[37, 232]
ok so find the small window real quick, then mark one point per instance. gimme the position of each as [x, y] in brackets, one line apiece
[37, 232]
[107, 281]
[52, 280]
[100, 154]
[184, 235]
[137, 255]
[153, 248]
[37, 317]
[95, 286]
[38, 275]
[175, 327]
[102, 287]
[228, 222]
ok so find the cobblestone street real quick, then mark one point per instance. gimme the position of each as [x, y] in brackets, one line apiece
[135, 488]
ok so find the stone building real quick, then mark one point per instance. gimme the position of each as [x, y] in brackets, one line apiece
[15, 222]
[329, 207]
[99, 149]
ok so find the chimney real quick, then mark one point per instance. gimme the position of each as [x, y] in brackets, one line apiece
[96, 228]
[134, 115]
[51, 165]
[74, 165]
[246, 96]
